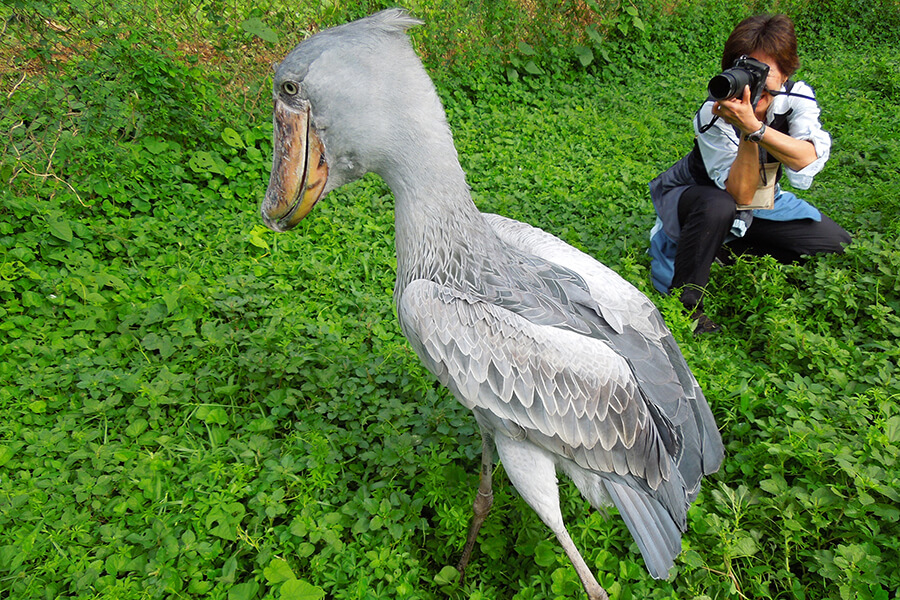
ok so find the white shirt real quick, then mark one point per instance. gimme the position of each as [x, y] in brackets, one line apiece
[719, 144]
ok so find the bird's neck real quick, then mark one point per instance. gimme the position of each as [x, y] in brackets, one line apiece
[440, 234]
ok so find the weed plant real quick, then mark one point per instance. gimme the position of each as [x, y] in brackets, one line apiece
[194, 407]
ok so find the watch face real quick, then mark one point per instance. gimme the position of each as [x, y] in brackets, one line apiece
[756, 136]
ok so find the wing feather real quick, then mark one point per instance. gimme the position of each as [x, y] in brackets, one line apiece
[620, 302]
[684, 418]
[551, 381]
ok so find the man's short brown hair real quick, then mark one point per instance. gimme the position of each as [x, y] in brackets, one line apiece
[771, 34]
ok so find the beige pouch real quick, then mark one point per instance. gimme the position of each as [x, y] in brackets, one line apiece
[764, 198]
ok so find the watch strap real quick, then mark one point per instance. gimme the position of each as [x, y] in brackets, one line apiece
[757, 135]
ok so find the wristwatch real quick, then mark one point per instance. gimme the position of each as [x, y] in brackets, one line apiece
[756, 136]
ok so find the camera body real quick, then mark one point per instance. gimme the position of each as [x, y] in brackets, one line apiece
[731, 82]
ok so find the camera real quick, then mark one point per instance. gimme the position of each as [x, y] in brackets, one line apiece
[731, 82]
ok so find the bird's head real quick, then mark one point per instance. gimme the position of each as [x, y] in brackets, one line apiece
[341, 98]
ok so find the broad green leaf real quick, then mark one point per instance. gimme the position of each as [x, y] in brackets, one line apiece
[278, 571]
[243, 591]
[255, 26]
[115, 563]
[30, 298]
[880, 594]
[823, 496]
[60, 229]
[298, 527]
[305, 549]
[332, 518]
[102, 188]
[256, 238]
[744, 546]
[225, 390]
[112, 281]
[892, 429]
[232, 138]
[533, 68]
[594, 34]
[223, 520]
[7, 452]
[136, 428]
[171, 298]
[585, 55]
[213, 414]
[229, 569]
[205, 162]
[164, 344]
[258, 242]
[545, 554]
[11, 556]
[854, 553]
[447, 576]
[774, 486]
[156, 145]
[155, 313]
[526, 49]
[692, 558]
[261, 424]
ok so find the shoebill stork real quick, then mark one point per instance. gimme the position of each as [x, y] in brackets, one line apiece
[566, 366]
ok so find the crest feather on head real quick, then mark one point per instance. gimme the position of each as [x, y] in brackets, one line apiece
[397, 19]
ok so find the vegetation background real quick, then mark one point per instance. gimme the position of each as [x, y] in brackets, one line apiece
[193, 407]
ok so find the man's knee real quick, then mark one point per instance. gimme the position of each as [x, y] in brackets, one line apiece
[831, 238]
[711, 204]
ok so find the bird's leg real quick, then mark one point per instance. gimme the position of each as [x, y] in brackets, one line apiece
[483, 501]
[593, 589]
[532, 472]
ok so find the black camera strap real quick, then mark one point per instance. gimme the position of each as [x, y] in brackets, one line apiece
[794, 94]
[705, 128]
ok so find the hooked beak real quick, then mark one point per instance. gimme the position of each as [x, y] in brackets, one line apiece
[299, 170]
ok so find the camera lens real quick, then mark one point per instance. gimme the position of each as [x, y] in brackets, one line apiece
[728, 84]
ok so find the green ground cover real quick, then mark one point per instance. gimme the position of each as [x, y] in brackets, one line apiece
[194, 407]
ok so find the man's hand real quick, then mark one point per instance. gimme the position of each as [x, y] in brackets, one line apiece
[740, 113]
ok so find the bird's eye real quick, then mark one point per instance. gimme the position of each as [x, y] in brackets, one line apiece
[290, 88]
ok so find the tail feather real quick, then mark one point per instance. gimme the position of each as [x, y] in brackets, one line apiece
[651, 526]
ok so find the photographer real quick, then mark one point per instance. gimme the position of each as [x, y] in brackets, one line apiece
[762, 124]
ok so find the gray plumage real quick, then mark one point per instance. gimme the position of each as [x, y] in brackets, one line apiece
[566, 366]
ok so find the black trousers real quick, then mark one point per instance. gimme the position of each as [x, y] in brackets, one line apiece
[706, 214]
